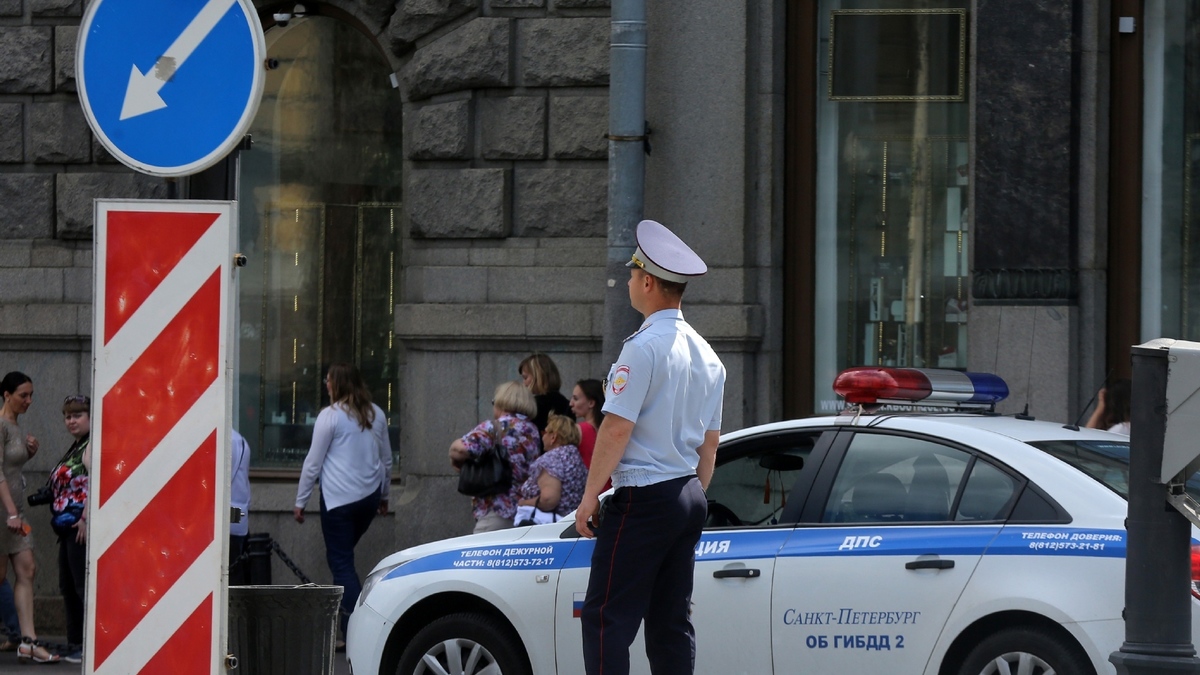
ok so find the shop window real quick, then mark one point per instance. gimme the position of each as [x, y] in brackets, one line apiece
[1170, 289]
[319, 198]
[891, 214]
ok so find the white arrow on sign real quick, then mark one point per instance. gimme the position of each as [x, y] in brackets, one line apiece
[141, 96]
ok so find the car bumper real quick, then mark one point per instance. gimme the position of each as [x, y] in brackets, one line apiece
[366, 636]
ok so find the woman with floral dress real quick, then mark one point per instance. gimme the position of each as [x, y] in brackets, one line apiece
[512, 407]
[557, 478]
[69, 484]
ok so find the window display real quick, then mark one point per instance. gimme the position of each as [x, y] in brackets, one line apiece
[319, 199]
[892, 183]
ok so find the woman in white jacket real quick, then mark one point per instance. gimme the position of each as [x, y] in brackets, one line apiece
[352, 458]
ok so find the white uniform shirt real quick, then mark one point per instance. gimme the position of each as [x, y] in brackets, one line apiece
[239, 480]
[670, 383]
[350, 461]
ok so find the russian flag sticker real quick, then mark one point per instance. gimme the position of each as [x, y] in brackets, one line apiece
[577, 604]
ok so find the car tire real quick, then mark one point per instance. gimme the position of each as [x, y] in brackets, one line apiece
[463, 644]
[1025, 651]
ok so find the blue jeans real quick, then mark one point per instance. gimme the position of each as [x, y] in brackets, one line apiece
[342, 527]
[8, 611]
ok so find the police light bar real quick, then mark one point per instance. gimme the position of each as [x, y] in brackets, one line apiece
[919, 386]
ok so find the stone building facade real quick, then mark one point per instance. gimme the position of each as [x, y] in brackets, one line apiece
[496, 195]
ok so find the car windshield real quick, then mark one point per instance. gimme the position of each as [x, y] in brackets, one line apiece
[1106, 461]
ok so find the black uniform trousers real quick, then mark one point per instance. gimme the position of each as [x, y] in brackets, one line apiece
[642, 569]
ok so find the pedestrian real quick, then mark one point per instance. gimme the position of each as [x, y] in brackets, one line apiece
[239, 498]
[68, 517]
[556, 479]
[658, 442]
[1113, 408]
[587, 402]
[540, 376]
[509, 426]
[352, 457]
[17, 543]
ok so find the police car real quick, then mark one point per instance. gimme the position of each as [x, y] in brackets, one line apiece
[952, 542]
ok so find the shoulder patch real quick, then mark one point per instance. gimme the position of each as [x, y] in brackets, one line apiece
[620, 379]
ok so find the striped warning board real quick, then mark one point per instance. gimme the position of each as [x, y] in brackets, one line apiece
[160, 437]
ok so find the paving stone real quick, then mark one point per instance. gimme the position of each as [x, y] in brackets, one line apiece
[564, 52]
[513, 127]
[473, 55]
[414, 19]
[65, 38]
[11, 8]
[464, 203]
[12, 137]
[56, 7]
[58, 133]
[577, 127]
[440, 131]
[32, 284]
[561, 202]
[76, 192]
[26, 206]
[25, 55]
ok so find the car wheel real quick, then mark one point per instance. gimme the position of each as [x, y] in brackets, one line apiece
[462, 644]
[1021, 651]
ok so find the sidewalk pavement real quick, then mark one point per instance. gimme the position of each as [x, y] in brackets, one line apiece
[9, 665]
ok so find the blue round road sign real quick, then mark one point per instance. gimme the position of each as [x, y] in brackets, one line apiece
[170, 88]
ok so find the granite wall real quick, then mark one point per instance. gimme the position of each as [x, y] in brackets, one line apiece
[1039, 99]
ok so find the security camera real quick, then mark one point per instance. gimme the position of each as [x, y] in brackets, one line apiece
[282, 19]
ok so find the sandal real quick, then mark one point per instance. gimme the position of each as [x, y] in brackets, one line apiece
[28, 652]
[8, 645]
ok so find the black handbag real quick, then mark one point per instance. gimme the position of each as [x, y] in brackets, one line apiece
[488, 474]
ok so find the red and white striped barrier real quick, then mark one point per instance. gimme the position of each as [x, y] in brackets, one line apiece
[158, 498]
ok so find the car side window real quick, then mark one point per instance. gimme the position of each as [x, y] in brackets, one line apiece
[752, 489]
[987, 494]
[895, 479]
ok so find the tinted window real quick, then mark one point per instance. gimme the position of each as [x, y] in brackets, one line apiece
[752, 489]
[1106, 461]
[987, 494]
[895, 479]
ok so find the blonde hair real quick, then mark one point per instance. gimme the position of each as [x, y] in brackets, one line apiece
[543, 372]
[513, 397]
[564, 428]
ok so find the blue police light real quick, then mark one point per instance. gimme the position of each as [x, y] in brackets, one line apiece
[926, 386]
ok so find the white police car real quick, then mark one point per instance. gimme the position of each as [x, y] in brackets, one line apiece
[939, 543]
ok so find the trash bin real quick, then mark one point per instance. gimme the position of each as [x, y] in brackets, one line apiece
[257, 565]
[283, 630]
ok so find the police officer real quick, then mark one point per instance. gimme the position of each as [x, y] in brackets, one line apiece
[658, 442]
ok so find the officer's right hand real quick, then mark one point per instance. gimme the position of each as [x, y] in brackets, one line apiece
[584, 514]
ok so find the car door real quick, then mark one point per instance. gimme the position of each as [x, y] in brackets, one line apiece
[750, 518]
[867, 581]
[749, 521]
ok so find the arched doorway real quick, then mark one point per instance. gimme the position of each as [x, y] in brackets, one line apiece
[319, 198]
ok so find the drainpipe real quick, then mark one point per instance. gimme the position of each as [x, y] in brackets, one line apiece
[626, 166]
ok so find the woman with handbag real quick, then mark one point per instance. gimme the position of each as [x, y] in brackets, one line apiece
[511, 433]
[18, 447]
[69, 486]
[352, 457]
[556, 479]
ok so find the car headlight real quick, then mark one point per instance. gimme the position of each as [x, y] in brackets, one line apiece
[374, 578]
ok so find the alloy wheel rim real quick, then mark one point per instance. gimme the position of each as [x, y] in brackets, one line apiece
[457, 656]
[1017, 663]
